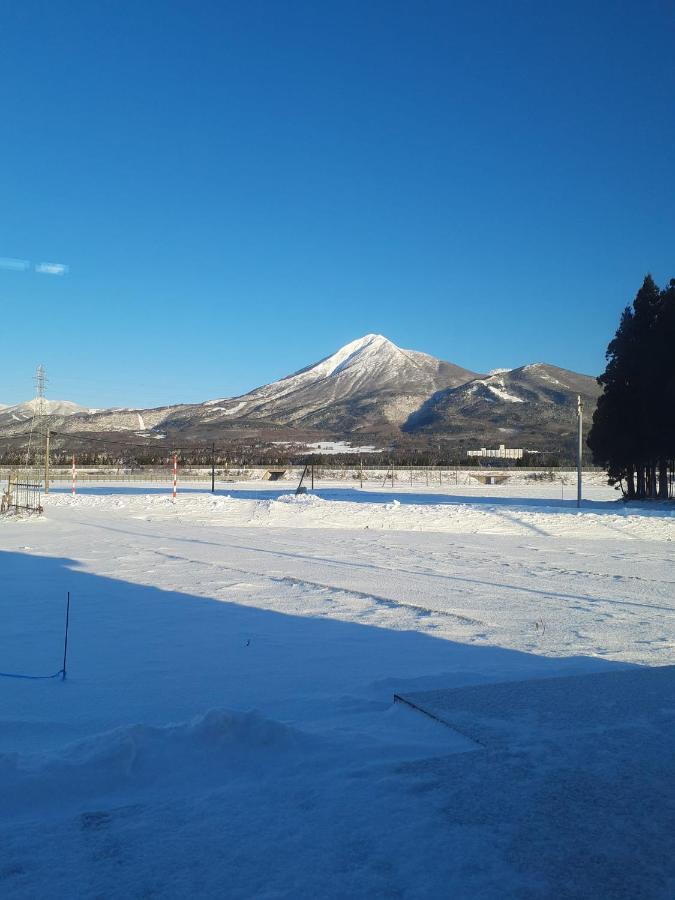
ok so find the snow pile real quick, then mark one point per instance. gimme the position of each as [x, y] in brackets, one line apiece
[210, 749]
[393, 510]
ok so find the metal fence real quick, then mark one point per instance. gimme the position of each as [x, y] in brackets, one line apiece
[21, 493]
[355, 473]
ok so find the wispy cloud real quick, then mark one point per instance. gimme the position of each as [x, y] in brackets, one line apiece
[46, 268]
[15, 265]
[24, 265]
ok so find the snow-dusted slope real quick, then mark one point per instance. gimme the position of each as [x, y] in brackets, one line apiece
[52, 407]
[138, 421]
[532, 402]
[366, 383]
[20, 413]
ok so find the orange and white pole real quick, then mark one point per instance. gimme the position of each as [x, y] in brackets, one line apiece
[74, 474]
[175, 477]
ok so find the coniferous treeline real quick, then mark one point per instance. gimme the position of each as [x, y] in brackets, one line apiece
[633, 433]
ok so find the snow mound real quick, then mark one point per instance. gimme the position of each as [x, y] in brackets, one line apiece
[303, 499]
[209, 749]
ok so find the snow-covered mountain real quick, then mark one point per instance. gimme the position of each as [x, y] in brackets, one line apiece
[24, 412]
[368, 386]
[524, 403]
[368, 383]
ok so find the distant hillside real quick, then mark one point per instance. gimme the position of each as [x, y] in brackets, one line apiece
[21, 413]
[533, 407]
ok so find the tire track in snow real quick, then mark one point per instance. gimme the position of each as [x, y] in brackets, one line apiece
[375, 599]
[380, 601]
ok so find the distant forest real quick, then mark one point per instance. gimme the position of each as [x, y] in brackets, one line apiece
[242, 454]
[633, 432]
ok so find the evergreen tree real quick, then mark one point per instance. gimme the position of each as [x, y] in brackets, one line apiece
[633, 434]
[646, 383]
[665, 361]
[613, 446]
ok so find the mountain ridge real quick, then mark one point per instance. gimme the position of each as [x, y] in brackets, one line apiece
[368, 386]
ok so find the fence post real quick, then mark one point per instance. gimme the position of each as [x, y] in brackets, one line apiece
[65, 639]
[47, 435]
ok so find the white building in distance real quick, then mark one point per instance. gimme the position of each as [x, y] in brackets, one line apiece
[501, 453]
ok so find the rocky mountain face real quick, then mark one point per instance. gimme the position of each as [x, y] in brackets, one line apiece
[529, 407]
[370, 386]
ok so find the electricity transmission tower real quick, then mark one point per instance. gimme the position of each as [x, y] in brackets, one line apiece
[38, 436]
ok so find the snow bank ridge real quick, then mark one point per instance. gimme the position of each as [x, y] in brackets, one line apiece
[208, 748]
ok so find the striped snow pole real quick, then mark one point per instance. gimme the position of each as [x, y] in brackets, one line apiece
[74, 474]
[175, 476]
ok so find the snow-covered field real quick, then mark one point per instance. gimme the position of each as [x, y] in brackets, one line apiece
[227, 727]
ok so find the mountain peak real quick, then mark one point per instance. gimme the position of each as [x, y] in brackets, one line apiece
[368, 346]
[370, 338]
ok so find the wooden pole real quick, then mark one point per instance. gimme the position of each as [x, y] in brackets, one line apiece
[213, 468]
[47, 461]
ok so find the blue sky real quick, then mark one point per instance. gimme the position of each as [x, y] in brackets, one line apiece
[239, 189]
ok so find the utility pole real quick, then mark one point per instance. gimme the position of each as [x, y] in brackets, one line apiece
[213, 468]
[47, 435]
[580, 418]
